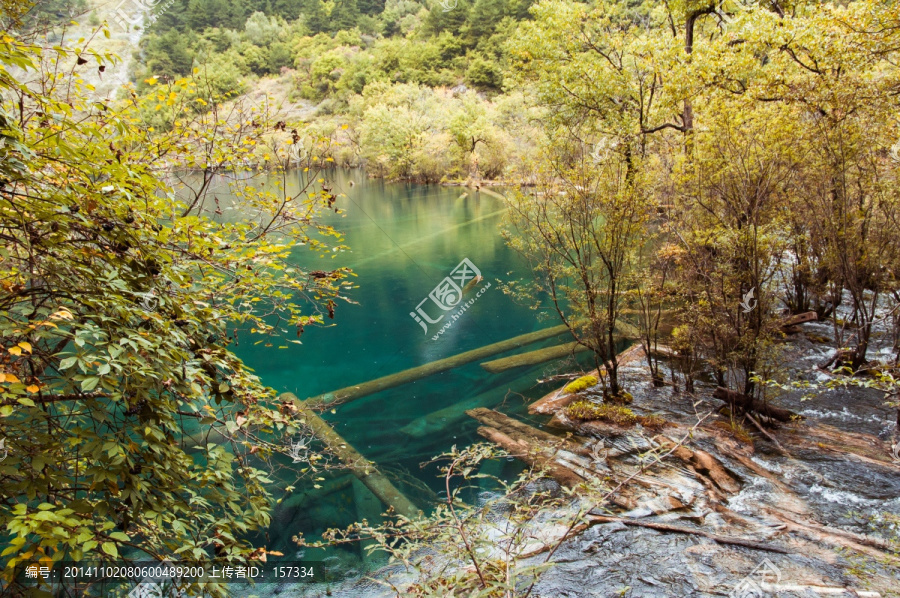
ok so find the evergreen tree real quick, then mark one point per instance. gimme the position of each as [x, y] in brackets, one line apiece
[371, 7]
[315, 17]
[344, 15]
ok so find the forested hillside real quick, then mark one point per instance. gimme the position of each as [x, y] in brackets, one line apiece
[399, 42]
[403, 61]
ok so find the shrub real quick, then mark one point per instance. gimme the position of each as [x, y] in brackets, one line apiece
[484, 74]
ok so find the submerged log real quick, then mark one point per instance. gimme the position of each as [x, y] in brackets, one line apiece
[623, 329]
[487, 191]
[357, 391]
[361, 467]
[749, 404]
[553, 402]
[436, 421]
[521, 430]
[296, 500]
[533, 357]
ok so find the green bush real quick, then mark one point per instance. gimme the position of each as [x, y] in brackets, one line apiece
[484, 74]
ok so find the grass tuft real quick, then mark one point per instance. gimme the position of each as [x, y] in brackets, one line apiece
[613, 414]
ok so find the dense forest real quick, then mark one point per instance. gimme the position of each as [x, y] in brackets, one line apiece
[402, 42]
[689, 184]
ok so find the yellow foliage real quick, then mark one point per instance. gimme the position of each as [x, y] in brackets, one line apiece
[581, 384]
[613, 414]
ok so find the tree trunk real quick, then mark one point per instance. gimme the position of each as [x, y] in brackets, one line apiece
[361, 467]
[533, 357]
[746, 403]
[363, 389]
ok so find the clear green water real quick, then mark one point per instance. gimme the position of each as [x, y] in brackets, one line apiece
[404, 240]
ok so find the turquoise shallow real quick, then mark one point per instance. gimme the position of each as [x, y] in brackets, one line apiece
[405, 240]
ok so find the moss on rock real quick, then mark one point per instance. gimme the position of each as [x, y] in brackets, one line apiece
[583, 383]
[613, 414]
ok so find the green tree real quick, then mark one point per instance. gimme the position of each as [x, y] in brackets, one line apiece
[170, 55]
[371, 7]
[315, 17]
[484, 16]
[483, 73]
[344, 15]
[133, 431]
[582, 233]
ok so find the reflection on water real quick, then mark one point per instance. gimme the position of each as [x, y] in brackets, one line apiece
[404, 240]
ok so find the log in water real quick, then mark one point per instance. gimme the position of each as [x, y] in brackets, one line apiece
[532, 357]
[438, 420]
[533, 458]
[520, 431]
[350, 393]
[550, 353]
[361, 467]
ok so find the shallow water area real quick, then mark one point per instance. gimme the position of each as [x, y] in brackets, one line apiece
[404, 239]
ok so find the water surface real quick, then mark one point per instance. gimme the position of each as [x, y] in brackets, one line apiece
[404, 239]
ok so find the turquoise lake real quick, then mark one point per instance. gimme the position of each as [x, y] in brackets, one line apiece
[404, 239]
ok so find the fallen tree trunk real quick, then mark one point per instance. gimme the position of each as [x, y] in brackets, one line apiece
[357, 391]
[533, 458]
[438, 420]
[514, 427]
[533, 357]
[809, 316]
[361, 467]
[550, 353]
[563, 460]
[665, 527]
[749, 404]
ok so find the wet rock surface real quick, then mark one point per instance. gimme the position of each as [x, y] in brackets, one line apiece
[822, 497]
